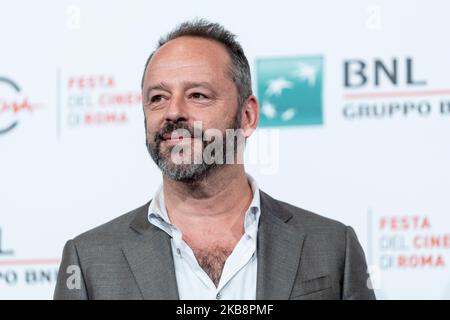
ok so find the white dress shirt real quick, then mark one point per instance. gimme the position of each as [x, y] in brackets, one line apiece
[238, 279]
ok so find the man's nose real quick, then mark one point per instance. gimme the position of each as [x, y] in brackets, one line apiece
[177, 109]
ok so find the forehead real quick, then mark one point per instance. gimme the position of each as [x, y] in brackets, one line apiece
[189, 57]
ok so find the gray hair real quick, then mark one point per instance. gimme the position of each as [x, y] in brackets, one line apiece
[239, 70]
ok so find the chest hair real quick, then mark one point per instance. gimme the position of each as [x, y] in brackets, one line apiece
[212, 261]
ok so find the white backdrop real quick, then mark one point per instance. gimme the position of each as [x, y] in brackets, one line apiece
[70, 77]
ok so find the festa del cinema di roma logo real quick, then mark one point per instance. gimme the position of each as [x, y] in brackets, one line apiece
[12, 105]
[290, 91]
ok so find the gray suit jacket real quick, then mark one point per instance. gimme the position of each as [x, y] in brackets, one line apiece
[301, 255]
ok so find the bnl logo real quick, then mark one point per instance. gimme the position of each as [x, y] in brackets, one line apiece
[4, 252]
[290, 91]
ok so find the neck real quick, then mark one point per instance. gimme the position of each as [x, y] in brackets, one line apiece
[217, 202]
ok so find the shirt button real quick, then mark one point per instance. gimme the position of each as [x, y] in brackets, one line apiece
[218, 296]
[179, 251]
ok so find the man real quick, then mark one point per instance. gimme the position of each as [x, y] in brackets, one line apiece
[209, 232]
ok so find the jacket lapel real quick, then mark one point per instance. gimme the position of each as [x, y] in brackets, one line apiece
[149, 256]
[279, 249]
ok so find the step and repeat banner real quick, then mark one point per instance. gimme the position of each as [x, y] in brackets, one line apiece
[355, 125]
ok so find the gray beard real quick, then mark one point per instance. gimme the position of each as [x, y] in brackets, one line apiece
[188, 173]
[180, 172]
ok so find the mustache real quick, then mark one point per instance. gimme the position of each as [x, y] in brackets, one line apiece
[170, 127]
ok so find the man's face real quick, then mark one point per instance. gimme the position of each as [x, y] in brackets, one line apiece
[187, 81]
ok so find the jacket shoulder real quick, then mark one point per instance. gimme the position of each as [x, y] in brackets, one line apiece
[310, 219]
[115, 230]
[301, 217]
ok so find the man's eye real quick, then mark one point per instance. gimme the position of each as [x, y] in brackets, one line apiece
[198, 96]
[156, 98]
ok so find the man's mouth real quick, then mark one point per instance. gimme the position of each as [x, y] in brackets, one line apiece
[169, 139]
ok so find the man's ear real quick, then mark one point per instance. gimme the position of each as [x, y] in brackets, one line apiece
[250, 116]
